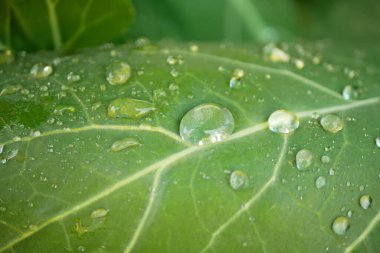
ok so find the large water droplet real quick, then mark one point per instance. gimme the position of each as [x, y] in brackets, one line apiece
[41, 70]
[99, 213]
[283, 121]
[365, 201]
[61, 109]
[340, 225]
[118, 73]
[332, 123]
[238, 180]
[171, 60]
[320, 182]
[124, 143]
[10, 89]
[325, 159]
[129, 108]
[206, 123]
[304, 159]
[349, 92]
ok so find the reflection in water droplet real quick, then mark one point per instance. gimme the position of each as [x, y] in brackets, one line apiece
[304, 159]
[320, 182]
[365, 201]
[206, 123]
[40, 70]
[236, 79]
[274, 54]
[377, 141]
[124, 143]
[238, 180]
[332, 123]
[350, 92]
[340, 225]
[99, 213]
[129, 108]
[118, 73]
[10, 89]
[72, 77]
[283, 121]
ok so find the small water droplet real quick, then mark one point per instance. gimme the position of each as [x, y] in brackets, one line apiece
[206, 123]
[365, 201]
[10, 89]
[304, 159]
[72, 77]
[174, 73]
[299, 64]
[331, 172]
[349, 92]
[41, 70]
[99, 213]
[118, 73]
[332, 123]
[283, 121]
[320, 182]
[236, 79]
[81, 248]
[129, 108]
[95, 106]
[159, 94]
[340, 225]
[171, 60]
[274, 54]
[377, 141]
[194, 48]
[238, 180]
[124, 143]
[61, 109]
[325, 159]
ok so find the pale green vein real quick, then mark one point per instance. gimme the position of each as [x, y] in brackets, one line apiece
[54, 25]
[159, 164]
[145, 128]
[252, 66]
[11, 226]
[147, 213]
[364, 234]
[252, 200]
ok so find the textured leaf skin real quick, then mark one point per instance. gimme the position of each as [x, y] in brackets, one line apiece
[167, 196]
[78, 23]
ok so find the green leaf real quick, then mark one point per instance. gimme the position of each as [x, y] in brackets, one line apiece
[64, 25]
[75, 179]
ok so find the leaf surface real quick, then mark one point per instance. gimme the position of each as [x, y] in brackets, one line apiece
[66, 190]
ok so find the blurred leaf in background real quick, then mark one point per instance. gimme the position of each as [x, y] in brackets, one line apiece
[63, 25]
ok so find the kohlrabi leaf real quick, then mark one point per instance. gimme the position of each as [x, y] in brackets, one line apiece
[100, 150]
[64, 25]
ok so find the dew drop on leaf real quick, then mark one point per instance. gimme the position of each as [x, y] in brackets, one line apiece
[72, 77]
[340, 225]
[174, 73]
[129, 108]
[365, 201]
[171, 60]
[274, 54]
[118, 73]
[304, 158]
[377, 141]
[61, 109]
[95, 106]
[320, 182]
[10, 89]
[238, 180]
[1, 148]
[236, 79]
[349, 92]
[299, 64]
[124, 143]
[41, 70]
[283, 121]
[332, 123]
[99, 213]
[194, 48]
[325, 159]
[12, 154]
[206, 123]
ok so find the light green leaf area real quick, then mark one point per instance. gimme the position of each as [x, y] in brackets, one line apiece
[67, 187]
